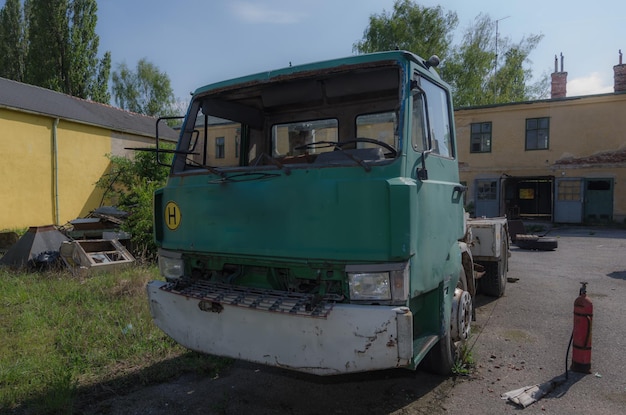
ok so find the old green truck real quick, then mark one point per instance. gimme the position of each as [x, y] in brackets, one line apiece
[313, 220]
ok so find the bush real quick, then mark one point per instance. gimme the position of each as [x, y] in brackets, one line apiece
[130, 186]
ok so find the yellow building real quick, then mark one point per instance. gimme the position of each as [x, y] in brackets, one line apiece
[53, 148]
[562, 159]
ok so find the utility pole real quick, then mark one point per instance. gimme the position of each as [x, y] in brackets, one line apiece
[495, 64]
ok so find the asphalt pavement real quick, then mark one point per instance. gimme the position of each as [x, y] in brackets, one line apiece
[522, 338]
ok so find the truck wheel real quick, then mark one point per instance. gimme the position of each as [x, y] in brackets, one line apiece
[444, 355]
[493, 283]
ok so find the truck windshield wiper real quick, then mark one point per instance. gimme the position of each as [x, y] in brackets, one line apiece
[272, 160]
[212, 169]
[244, 177]
[384, 145]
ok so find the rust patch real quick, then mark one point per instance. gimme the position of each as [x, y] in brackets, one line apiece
[210, 306]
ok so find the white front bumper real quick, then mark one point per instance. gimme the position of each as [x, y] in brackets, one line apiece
[350, 338]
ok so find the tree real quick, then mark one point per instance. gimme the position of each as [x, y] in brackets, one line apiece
[100, 88]
[479, 77]
[513, 80]
[468, 69]
[476, 74]
[83, 52]
[48, 41]
[421, 30]
[145, 91]
[12, 41]
[63, 48]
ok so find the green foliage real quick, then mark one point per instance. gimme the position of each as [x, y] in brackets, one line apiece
[130, 185]
[100, 88]
[465, 361]
[477, 72]
[422, 30]
[48, 38]
[479, 76]
[467, 70]
[144, 91]
[65, 340]
[57, 47]
[12, 41]
[83, 50]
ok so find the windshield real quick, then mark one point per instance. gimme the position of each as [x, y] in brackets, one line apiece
[294, 122]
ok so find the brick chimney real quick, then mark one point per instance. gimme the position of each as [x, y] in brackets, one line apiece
[559, 80]
[619, 75]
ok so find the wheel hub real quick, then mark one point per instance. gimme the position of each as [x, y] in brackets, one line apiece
[461, 318]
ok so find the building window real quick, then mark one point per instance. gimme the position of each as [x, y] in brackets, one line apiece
[237, 142]
[480, 141]
[569, 190]
[487, 190]
[219, 148]
[537, 133]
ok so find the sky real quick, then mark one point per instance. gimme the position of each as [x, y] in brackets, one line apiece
[198, 42]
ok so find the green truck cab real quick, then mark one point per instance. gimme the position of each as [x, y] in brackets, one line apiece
[313, 220]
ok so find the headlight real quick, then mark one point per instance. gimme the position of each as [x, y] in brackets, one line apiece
[369, 286]
[171, 264]
[379, 282]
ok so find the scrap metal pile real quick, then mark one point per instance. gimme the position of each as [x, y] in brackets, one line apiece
[83, 245]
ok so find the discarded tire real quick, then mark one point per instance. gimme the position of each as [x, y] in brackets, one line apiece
[537, 243]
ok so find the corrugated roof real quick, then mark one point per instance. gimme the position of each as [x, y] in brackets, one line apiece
[34, 99]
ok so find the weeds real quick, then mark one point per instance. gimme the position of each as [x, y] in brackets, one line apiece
[464, 362]
[63, 336]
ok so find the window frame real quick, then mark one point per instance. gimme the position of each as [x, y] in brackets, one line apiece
[537, 131]
[481, 136]
[220, 147]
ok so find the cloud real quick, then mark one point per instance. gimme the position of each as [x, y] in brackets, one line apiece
[259, 13]
[588, 85]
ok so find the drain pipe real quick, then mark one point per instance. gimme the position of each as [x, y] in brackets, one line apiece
[55, 167]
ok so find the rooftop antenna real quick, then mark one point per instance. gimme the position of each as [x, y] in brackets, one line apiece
[495, 64]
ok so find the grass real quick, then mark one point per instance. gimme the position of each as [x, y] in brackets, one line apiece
[66, 341]
[464, 363]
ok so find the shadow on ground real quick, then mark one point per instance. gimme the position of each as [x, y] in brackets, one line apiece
[256, 389]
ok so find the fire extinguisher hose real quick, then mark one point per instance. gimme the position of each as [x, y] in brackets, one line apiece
[569, 346]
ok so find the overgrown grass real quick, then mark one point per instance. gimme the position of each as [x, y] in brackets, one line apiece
[65, 340]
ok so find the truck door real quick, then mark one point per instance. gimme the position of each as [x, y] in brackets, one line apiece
[438, 213]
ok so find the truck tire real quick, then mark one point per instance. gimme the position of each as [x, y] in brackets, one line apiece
[493, 283]
[443, 356]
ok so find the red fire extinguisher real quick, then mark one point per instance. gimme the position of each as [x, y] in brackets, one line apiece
[583, 317]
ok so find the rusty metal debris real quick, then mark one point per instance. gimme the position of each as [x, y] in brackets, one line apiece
[95, 255]
[37, 241]
[83, 245]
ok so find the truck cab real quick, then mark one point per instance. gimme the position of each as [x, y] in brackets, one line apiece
[313, 220]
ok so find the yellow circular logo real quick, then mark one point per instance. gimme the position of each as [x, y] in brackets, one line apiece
[172, 216]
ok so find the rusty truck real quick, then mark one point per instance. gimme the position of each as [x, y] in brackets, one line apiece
[313, 220]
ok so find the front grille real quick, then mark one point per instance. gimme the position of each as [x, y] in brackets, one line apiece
[307, 305]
